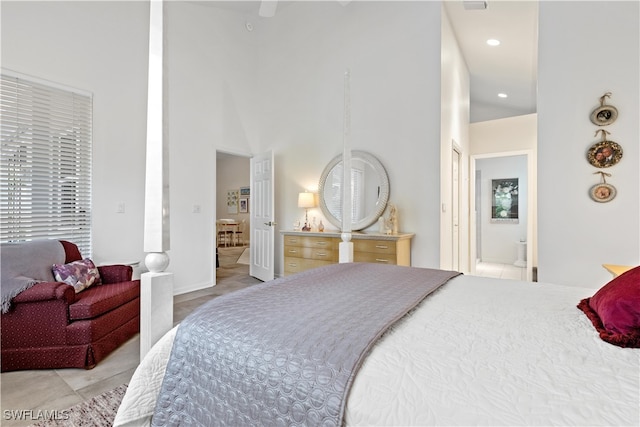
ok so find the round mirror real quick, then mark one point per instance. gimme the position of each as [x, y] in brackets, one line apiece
[369, 190]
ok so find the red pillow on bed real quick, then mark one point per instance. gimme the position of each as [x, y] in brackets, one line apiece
[615, 309]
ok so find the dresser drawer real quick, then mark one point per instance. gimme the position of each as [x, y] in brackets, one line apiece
[303, 251]
[327, 254]
[294, 265]
[310, 242]
[374, 246]
[380, 258]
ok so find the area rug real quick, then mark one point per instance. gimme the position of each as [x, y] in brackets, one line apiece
[244, 257]
[99, 411]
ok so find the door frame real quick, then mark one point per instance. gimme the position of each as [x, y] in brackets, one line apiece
[531, 206]
[456, 199]
[243, 154]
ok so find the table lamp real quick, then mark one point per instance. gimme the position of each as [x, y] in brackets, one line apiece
[306, 201]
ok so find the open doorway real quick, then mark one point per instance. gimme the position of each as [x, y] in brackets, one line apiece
[233, 207]
[502, 199]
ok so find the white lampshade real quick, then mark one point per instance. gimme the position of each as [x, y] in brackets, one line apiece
[306, 200]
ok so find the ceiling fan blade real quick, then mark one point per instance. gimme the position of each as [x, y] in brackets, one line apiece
[268, 8]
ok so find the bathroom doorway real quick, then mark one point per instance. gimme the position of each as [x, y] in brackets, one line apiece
[502, 243]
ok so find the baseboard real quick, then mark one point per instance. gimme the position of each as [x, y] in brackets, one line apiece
[191, 288]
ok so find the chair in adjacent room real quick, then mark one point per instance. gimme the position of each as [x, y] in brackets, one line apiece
[240, 233]
[224, 233]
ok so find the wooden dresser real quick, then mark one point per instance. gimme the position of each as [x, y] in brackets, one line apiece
[305, 250]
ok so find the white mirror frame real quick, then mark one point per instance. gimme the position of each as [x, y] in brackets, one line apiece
[383, 196]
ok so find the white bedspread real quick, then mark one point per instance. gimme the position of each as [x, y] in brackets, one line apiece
[478, 351]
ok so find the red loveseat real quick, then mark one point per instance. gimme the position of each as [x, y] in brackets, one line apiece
[50, 326]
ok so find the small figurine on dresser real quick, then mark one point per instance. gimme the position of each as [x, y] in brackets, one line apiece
[321, 227]
[392, 220]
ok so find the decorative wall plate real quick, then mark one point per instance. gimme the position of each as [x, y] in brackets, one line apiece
[605, 153]
[602, 192]
[605, 114]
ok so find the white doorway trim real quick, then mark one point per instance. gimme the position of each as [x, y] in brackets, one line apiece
[531, 206]
[456, 194]
[214, 241]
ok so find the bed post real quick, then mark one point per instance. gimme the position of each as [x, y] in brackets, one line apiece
[345, 248]
[156, 286]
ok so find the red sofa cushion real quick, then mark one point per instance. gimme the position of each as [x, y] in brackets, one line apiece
[98, 300]
[71, 251]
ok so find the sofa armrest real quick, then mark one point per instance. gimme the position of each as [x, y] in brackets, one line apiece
[115, 273]
[45, 291]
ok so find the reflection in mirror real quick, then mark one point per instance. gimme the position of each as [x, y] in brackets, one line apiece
[369, 190]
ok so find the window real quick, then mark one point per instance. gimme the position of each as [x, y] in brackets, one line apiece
[45, 168]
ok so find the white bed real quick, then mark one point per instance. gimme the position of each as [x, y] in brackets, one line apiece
[478, 351]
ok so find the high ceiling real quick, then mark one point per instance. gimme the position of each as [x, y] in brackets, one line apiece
[509, 68]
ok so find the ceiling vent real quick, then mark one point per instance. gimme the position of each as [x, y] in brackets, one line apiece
[474, 4]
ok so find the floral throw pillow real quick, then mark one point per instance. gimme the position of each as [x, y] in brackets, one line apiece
[79, 274]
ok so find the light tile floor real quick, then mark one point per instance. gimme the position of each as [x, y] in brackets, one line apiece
[501, 271]
[59, 389]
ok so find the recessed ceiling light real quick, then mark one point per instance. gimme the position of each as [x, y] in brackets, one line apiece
[493, 42]
[502, 95]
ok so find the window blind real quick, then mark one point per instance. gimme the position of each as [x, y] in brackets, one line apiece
[45, 168]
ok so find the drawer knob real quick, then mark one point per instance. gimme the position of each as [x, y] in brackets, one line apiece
[381, 260]
[291, 264]
[293, 251]
[321, 254]
[321, 243]
[382, 246]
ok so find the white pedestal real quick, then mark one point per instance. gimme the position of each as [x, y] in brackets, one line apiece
[346, 252]
[156, 308]
[522, 254]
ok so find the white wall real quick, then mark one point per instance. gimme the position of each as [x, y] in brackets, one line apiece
[504, 135]
[511, 136]
[211, 75]
[279, 87]
[100, 47]
[586, 49]
[455, 112]
[499, 240]
[389, 48]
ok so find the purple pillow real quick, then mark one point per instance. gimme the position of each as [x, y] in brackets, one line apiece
[615, 310]
[79, 274]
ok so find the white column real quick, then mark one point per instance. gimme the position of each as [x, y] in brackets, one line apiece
[345, 249]
[156, 286]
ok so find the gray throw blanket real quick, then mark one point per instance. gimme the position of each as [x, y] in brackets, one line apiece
[285, 352]
[25, 264]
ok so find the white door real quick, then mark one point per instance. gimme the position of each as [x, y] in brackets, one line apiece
[455, 209]
[262, 217]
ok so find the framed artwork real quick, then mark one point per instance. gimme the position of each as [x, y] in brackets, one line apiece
[245, 191]
[504, 200]
[244, 205]
[232, 201]
[604, 154]
[604, 115]
[602, 192]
